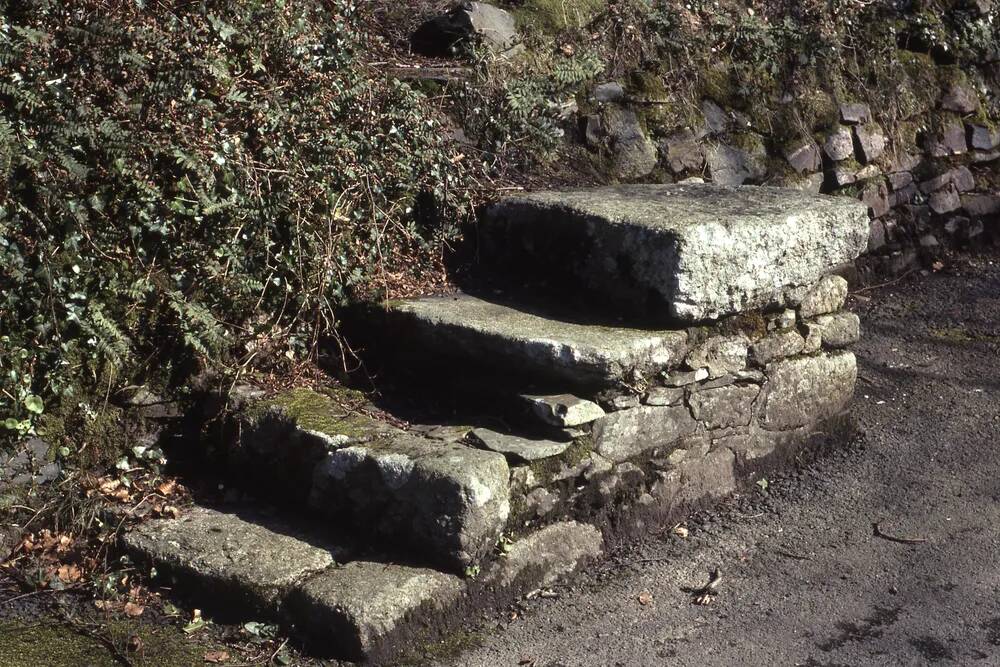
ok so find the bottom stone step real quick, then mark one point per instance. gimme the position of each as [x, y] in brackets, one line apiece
[251, 566]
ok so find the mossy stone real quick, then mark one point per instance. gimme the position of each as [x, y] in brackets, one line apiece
[323, 413]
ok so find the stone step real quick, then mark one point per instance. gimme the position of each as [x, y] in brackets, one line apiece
[688, 252]
[456, 330]
[243, 564]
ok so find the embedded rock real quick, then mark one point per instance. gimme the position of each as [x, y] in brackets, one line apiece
[827, 296]
[235, 557]
[783, 343]
[471, 329]
[624, 434]
[447, 501]
[525, 449]
[807, 390]
[871, 142]
[983, 137]
[854, 113]
[981, 205]
[805, 158]
[367, 607]
[564, 410]
[541, 558]
[720, 355]
[694, 251]
[441, 35]
[839, 330]
[724, 407]
[839, 145]
[729, 165]
[682, 153]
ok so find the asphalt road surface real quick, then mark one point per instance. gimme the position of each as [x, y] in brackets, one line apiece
[806, 581]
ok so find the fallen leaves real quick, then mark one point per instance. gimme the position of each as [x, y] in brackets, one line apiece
[645, 598]
[680, 530]
[133, 610]
[216, 657]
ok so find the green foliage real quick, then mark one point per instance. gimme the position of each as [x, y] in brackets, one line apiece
[200, 183]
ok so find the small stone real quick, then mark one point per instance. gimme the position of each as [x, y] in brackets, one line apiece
[900, 179]
[664, 396]
[633, 154]
[805, 158]
[813, 337]
[783, 320]
[904, 195]
[541, 501]
[935, 183]
[807, 390]
[729, 165]
[868, 171]
[963, 179]
[716, 119]
[952, 141]
[840, 176]
[827, 296]
[981, 205]
[682, 152]
[523, 448]
[982, 137]
[540, 559]
[854, 113]
[621, 435]
[720, 355]
[871, 142]
[564, 410]
[839, 330]
[593, 131]
[980, 157]
[960, 98]
[611, 91]
[877, 236]
[784, 343]
[839, 145]
[365, 606]
[929, 241]
[684, 378]
[442, 35]
[623, 402]
[749, 375]
[945, 201]
[876, 197]
[37, 448]
[725, 407]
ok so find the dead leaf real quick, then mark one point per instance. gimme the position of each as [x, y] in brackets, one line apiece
[69, 574]
[133, 609]
[937, 266]
[645, 598]
[680, 531]
[167, 488]
[217, 656]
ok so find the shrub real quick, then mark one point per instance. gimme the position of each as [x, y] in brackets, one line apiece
[199, 182]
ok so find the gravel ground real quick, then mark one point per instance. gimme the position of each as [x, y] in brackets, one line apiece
[806, 580]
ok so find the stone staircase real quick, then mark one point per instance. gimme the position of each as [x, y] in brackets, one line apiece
[672, 344]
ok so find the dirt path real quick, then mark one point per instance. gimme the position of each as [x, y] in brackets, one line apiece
[806, 580]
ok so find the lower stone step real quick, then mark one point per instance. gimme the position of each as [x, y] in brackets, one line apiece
[249, 566]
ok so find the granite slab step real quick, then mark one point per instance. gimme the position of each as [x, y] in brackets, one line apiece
[465, 328]
[691, 252]
[247, 566]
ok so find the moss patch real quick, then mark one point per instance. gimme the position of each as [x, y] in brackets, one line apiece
[323, 412]
[553, 16]
[54, 645]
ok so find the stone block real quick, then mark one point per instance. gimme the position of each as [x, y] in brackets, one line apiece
[447, 502]
[682, 153]
[441, 35]
[839, 329]
[827, 296]
[564, 410]
[780, 344]
[525, 449]
[982, 137]
[621, 435]
[805, 158]
[807, 390]
[870, 142]
[721, 355]
[700, 251]
[725, 407]
[981, 205]
[839, 144]
[853, 113]
[543, 557]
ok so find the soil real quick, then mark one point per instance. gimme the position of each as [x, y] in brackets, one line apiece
[806, 578]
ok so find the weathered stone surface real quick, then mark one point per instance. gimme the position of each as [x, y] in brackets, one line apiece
[622, 435]
[441, 35]
[827, 296]
[661, 396]
[684, 378]
[960, 98]
[950, 141]
[719, 354]
[983, 137]
[805, 158]
[854, 113]
[564, 410]
[681, 152]
[981, 205]
[900, 179]
[808, 389]
[623, 402]
[633, 154]
[507, 338]
[716, 119]
[839, 145]
[962, 179]
[611, 91]
[839, 330]
[729, 165]
[539, 502]
[698, 479]
[238, 558]
[724, 407]
[364, 606]
[704, 251]
[543, 557]
[945, 201]
[526, 449]
[447, 501]
[876, 197]
[871, 141]
[783, 343]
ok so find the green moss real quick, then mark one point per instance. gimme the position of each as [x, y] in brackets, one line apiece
[554, 16]
[321, 412]
[545, 469]
[961, 335]
[55, 645]
[817, 110]
[648, 86]
[718, 85]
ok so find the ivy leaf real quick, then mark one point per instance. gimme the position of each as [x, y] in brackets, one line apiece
[34, 404]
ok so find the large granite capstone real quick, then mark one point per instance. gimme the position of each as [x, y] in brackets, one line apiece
[691, 252]
[523, 342]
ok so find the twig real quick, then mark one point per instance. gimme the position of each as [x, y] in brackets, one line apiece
[790, 554]
[706, 594]
[885, 284]
[877, 531]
